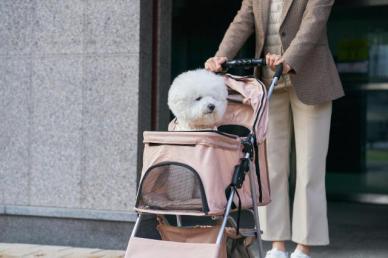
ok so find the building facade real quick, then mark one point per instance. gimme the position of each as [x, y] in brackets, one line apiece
[77, 81]
[80, 80]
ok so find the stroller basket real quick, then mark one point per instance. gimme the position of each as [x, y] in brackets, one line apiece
[140, 248]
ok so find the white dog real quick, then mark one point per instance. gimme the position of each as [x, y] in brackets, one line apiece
[198, 100]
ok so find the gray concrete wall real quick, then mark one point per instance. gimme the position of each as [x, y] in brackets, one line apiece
[75, 87]
[71, 232]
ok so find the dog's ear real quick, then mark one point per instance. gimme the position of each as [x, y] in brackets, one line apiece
[176, 106]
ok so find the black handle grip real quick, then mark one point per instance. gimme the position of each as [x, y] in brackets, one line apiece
[251, 62]
[278, 71]
[246, 63]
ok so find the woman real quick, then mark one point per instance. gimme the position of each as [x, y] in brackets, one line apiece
[292, 32]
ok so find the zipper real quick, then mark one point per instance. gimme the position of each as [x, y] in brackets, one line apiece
[259, 113]
[211, 131]
[171, 144]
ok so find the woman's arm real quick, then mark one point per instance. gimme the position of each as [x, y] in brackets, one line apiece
[309, 34]
[238, 32]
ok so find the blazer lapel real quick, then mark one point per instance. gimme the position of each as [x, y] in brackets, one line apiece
[286, 8]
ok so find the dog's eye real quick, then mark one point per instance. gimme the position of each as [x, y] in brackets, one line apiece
[198, 99]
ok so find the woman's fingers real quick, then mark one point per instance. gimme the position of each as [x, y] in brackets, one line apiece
[273, 60]
[286, 67]
[267, 59]
[276, 59]
[279, 61]
[214, 64]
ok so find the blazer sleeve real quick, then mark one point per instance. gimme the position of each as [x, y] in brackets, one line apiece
[238, 32]
[309, 34]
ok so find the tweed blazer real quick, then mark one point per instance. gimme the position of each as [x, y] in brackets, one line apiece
[304, 43]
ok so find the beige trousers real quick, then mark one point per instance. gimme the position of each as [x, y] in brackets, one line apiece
[311, 126]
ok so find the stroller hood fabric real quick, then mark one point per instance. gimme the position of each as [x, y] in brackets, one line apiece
[248, 106]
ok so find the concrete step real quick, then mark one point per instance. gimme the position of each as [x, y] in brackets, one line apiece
[44, 251]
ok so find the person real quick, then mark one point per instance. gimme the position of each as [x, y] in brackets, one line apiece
[292, 32]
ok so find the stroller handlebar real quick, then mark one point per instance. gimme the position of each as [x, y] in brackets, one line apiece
[246, 63]
[251, 62]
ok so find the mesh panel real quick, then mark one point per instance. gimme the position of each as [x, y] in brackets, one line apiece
[171, 187]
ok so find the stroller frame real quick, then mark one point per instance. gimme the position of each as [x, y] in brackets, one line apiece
[240, 170]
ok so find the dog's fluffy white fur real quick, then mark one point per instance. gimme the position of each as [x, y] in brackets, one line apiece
[198, 99]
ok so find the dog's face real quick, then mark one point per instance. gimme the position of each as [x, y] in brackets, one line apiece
[198, 98]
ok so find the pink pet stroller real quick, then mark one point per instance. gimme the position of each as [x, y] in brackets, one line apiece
[215, 174]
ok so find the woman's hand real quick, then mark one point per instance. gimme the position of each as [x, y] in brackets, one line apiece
[273, 60]
[213, 64]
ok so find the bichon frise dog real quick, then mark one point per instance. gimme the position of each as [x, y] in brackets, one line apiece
[197, 98]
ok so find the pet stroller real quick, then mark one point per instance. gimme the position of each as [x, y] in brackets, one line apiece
[210, 174]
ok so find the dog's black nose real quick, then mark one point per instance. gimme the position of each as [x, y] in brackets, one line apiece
[211, 107]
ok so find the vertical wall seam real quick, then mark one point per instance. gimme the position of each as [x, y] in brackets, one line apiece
[82, 128]
[30, 100]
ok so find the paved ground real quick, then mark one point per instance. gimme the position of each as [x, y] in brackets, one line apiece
[356, 231]
[39, 251]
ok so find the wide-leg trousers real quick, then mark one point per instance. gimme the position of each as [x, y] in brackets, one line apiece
[311, 126]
